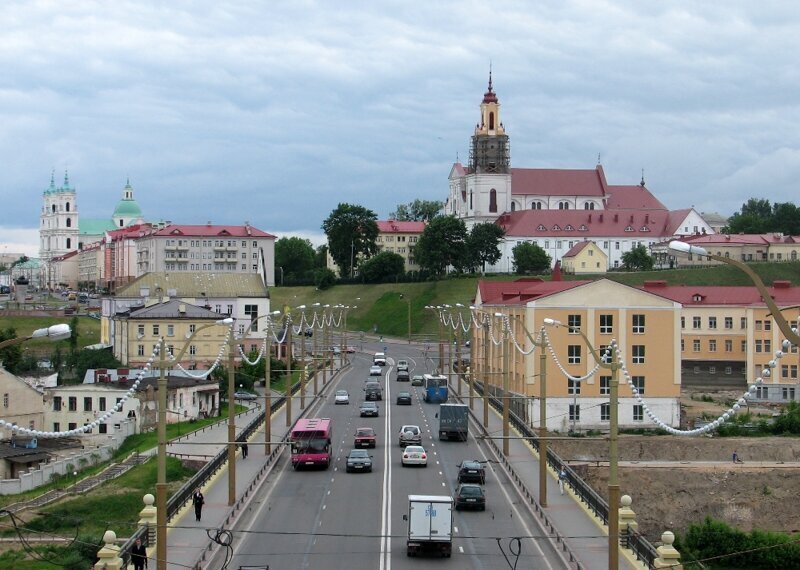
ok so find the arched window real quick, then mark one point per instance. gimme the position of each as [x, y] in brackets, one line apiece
[67, 206]
[536, 206]
[493, 200]
[69, 243]
[491, 121]
[69, 222]
[588, 206]
[563, 205]
[54, 208]
[121, 223]
[513, 207]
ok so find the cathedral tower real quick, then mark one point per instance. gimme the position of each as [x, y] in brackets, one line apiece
[58, 222]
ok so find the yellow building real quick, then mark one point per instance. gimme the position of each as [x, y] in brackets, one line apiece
[395, 237]
[646, 327]
[137, 333]
[584, 257]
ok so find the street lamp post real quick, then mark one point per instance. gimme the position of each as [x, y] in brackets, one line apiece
[782, 324]
[53, 333]
[161, 484]
[303, 368]
[613, 365]
[287, 321]
[231, 418]
[506, 430]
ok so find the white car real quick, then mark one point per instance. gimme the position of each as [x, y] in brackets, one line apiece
[341, 397]
[375, 371]
[379, 359]
[415, 455]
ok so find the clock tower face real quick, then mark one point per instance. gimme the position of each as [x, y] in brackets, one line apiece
[490, 150]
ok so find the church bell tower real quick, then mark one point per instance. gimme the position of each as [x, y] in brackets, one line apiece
[490, 149]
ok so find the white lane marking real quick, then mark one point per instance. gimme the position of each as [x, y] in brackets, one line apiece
[461, 550]
[386, 504]
[323, 508]
[455, 528]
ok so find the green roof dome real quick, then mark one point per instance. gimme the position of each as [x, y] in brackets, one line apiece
[127, 209]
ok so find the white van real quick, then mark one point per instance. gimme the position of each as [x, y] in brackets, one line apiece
[379, 359]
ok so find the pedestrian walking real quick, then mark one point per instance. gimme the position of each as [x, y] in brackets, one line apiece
[198, 500]
[244, 450]
[562, 476]
[736, 458]
[139, 555]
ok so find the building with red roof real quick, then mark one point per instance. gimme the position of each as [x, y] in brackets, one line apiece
[555, 208]
[774, 247]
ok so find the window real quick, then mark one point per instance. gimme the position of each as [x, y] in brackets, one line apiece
[729, 370]
[712, 369]
[767, 345]
[728, 346]
[787, 392]
[251, 312]
[683, 345]
[638, 353]
[102, 428]
[140, 350]
[638, 324]
[573, 387]
[767, 325]
[743, 323]
[155, 330]
[170, 330]
[758, 345]
[57, 404]
[605, 412]
[230, 309]
[683, 323]
[606, 324]
[493, 200]
[73, 404]
[140, 331]
[789, 371]
[605, 385]
[72, 426]
[744, 346]
[574, 354]
[728, 322]
[604, 351]
[87, 404]
[241, 330]
[762, 392]
[56, 426]
[192, 329]
[574, 412]
[695, 322]
[712, 323]
[712, 345]
[638, 413]
[101, 406]
[574, 323]
[192, 350]
[638, 383]
[696, 345]
[757, 325]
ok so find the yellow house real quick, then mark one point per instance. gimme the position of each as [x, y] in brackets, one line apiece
[396, 237]
[584, 257]
[646, 327]
[137, 333]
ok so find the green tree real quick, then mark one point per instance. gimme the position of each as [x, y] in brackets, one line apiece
[441, 244]
[74, 335]
[755, 217]
[89, 359]
[10, 356]
[637, 259]
[387, 265]
[483, 245]
[786, 219]
[295, 256]
[352, 233]
[530, 258]
[417, 211]
[324, 278]
[321, 257]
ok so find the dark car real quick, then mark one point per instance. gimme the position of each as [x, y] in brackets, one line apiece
[470, 496]
[404, 399]
[471, 471]
[358, 460]
[403, 376]
[418, 380]
[365, 437]
[369, 409]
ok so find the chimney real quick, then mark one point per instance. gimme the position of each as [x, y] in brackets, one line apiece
[647, 218]
[590, 218]
[781, 284]
[600, 218]
[616, 217]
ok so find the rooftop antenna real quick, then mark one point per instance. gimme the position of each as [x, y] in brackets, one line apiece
[642, 182]
[598, 159]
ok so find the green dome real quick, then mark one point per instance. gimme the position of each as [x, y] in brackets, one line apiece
[127, 209]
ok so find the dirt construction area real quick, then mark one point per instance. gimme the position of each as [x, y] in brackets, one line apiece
[675, 481]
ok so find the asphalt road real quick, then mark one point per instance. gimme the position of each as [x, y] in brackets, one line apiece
[332, 519]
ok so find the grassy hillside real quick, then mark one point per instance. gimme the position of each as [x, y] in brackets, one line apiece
[382, 306]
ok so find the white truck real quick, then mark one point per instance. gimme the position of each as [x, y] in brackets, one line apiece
[430, 524]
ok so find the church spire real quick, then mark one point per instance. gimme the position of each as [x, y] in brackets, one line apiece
[66, 180]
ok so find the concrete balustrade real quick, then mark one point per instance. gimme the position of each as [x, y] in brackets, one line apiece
[108, 556]
[668, 556]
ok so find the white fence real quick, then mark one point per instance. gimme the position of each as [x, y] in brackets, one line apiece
[76, 461]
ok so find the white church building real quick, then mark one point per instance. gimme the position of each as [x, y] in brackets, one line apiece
[555, 208]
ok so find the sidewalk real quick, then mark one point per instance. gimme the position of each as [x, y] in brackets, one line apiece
[585, 535]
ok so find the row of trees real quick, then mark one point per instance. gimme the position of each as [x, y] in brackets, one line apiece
[758, 216]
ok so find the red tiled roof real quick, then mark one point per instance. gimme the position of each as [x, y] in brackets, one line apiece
[632, 198]
[584, 223]
[739, 239]
[212, 231]
[521, 291]
[393, 226]
[66, 256]
[576, 249]
[137, 230]
[695, 295]
[556, 182]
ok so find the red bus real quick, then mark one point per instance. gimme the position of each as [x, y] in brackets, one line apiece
[311, 442]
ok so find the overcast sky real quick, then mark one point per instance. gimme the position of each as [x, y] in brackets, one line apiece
[274, 112]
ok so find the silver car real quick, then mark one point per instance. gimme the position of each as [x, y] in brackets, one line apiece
[341, 397]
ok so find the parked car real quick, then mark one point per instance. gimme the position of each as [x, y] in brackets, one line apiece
[410, 435]
[350, 349]
[365, 437]
[375, 371]
[471, 471]
[244, 396]
[414, 455]
[341, 397]
[402, 364]
[470, 496]
[358, 460]
[417, 380]
[402, 376]
[369, 409]
[404, 398]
